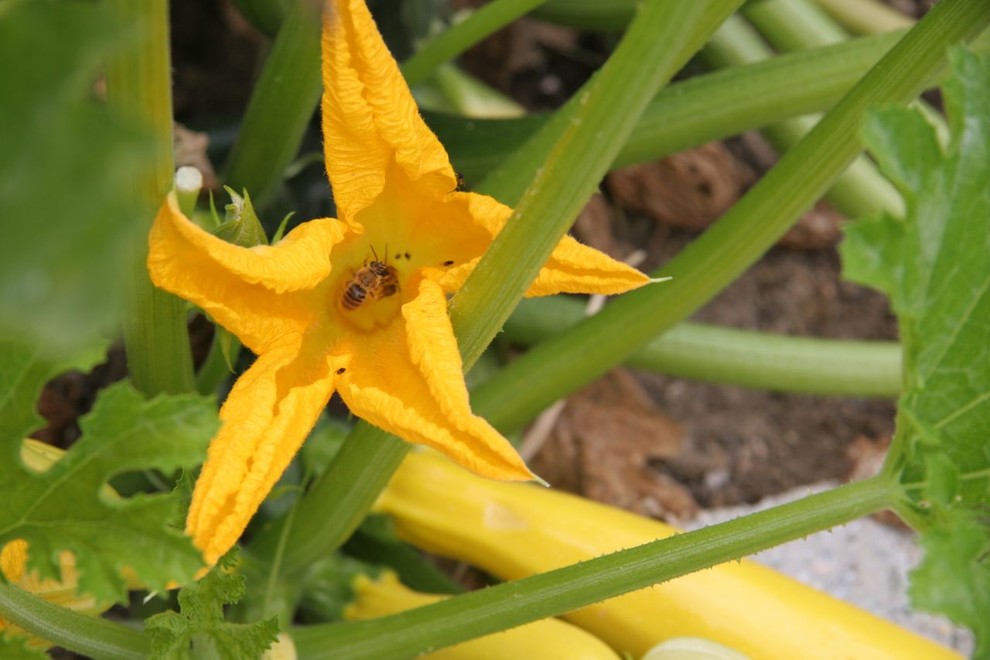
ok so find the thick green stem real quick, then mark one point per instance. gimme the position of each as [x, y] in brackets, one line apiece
[739, 238]
[548, 594]
[722, 355]
[451, 43]
[281, 106]
[139, 87]
[266, 15]
[794, 24]
[866, 16]
[749, 96]
[589, 14]
[587, 137]
[87, 635]
[859, 191]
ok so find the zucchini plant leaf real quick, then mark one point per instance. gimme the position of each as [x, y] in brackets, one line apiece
[198, 629]
[65, 158]
[23, 373]
[70, 507]
[935, 266]
[16, 647]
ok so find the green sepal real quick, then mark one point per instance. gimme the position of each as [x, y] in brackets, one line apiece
[230, 346]
[280, 232]
[241, 225]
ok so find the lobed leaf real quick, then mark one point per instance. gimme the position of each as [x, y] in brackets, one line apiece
[23, 373]
[199, 630]
[935, 266]
[69, 507]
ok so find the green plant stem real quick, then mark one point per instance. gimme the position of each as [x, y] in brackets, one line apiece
[865, 16]
[587, 136]
[469, 97]
[860, 190]
[214, 368]
[561, 365]
[87, 635]
[369, 456]
[449, 44]
[139, 84]
[588, 14]
[749, 96]
[684, 114]
[797, 25]
[724, 355]
[281, 106]
[266, 15]
[548, 594]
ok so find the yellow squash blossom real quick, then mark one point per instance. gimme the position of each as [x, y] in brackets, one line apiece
[356, 304]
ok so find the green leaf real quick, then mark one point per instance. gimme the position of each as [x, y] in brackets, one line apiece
[961, 548]
[198, 630]
[14, 647]
[23, 373]
[935, 266]
[68, 507]
[64, 160]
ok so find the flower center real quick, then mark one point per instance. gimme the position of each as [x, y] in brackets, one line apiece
[368, 296]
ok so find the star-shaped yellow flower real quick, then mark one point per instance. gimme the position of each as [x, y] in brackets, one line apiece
[357, 304]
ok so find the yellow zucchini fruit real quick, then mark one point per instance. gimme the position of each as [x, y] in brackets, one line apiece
[515, 530]
[547, 639]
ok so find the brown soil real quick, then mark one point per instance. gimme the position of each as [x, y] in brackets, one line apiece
[736, 445]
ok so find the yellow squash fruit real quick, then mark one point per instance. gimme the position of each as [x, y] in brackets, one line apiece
[548, 639]
[516, 530]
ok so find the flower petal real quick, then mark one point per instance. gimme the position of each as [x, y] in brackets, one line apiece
[260, 294]
[407, 379]
[265, 419]
[369, 116]
[577, 268]
[572, 267]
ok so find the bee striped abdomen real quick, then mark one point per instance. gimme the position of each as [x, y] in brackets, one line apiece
[354, 295]
[370, 282]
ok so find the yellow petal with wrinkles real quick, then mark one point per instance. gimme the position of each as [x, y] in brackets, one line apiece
[299, 261]
[265, 419]
[369, 116]
[407, 379]
[260, 294]
[572, 267]
[577, 268]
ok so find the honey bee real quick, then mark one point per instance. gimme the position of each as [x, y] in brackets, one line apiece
[374, 280]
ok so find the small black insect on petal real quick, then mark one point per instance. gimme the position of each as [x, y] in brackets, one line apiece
[341, 370]
[448, 263]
